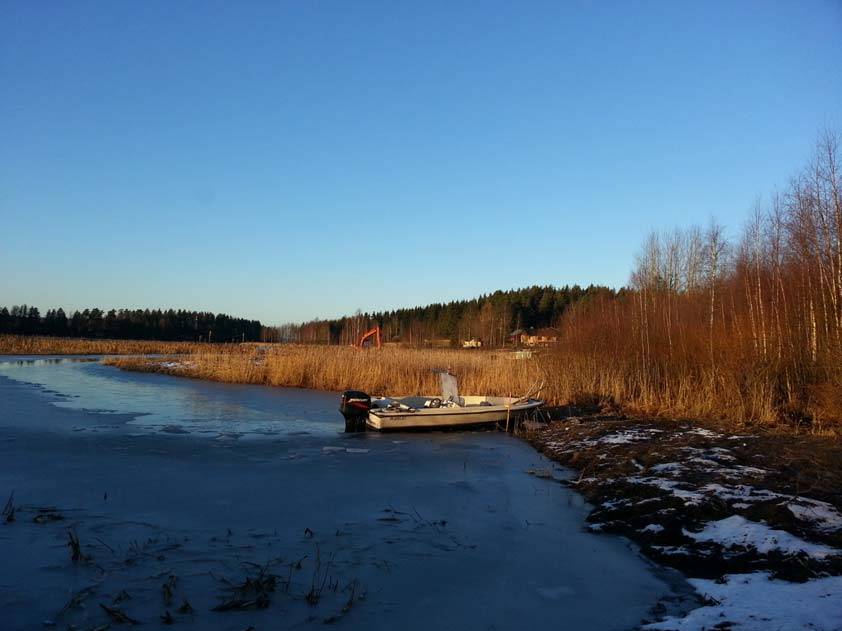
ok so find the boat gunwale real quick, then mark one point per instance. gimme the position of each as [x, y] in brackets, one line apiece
[458, 411]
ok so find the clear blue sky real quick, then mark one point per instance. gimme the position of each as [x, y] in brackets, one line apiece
[288, 160]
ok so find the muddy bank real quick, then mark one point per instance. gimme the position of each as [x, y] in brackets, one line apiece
[728, 510]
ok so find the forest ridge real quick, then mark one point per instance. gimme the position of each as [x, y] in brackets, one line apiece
[489, 318]
[130, 324]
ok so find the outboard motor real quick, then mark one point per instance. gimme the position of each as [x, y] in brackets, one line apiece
[354, 407]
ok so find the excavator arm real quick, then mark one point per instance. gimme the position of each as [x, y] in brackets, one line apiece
[372, 333]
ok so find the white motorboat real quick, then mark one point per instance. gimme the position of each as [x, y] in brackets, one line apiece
[448, 411]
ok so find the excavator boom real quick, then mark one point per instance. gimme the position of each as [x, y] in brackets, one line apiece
[373, 332]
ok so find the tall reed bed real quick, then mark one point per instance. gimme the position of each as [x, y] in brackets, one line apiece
[36, 345]
[394, 371]
[748, 330]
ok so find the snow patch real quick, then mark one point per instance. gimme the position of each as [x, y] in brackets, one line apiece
[738, 531]
[754, 602]
[674, 550]
[821, 514]
[740, 492]
[667, 467]
[674, 487]
[627, 436]
[703, 432]
[177, 364]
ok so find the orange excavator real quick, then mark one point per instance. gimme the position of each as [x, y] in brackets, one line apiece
[374, 332]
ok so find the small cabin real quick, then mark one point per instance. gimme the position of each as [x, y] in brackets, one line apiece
[534, 337]
[518, 337]
[542, 337]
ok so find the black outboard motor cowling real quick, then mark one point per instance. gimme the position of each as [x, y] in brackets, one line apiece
[354, 407]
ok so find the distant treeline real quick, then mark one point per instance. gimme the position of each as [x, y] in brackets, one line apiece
[134, 324]
[490, 319]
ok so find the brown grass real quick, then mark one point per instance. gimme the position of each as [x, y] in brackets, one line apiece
[749, 331]
[612, 354]
[394, 371]
[33, 345]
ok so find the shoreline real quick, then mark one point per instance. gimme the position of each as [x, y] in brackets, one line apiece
[748, 518]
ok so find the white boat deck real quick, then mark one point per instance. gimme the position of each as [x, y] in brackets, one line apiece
[407, 413]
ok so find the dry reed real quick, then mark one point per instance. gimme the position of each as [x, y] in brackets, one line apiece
[38, 345]
[394, 371]
[749, 331]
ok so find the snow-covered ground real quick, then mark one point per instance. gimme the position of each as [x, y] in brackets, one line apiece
[755, 602]
[700, 500]
[735, 531]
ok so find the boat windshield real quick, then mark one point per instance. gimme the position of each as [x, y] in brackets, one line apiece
[449, 387]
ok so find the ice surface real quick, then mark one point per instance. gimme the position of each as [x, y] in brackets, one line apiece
[428, 531]
[159, 403]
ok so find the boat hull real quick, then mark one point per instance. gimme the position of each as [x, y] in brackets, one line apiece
[475, 416]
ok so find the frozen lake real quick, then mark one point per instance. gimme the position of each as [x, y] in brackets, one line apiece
[181, 490]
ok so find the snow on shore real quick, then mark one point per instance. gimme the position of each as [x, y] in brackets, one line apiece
[755, 602]
[824, 516]
[736, 531]
[703, 504]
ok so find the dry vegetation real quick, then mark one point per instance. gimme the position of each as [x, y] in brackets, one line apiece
[749, 332]
[31, 345]
[395, 371]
